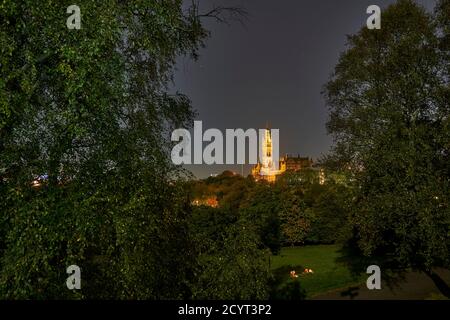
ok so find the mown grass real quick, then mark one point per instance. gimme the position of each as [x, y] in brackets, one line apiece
[328, 273]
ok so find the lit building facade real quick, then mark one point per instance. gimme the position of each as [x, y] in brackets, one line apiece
[267, 170]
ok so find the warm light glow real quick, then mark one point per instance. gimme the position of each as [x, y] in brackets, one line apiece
[210, 202]
[266, 170]
[35, 184]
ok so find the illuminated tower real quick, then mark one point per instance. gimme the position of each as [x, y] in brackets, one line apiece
[267, 171]
[267, 167]
[270, 165]
[267, 160]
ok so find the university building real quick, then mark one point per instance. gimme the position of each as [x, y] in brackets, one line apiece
[265, 169]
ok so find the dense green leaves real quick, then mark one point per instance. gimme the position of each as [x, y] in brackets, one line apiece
[88, 111]
[389, 115]
[294, 210]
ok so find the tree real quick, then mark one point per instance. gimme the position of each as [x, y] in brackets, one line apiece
[260, 208]
[295, 210]
[328, 203]
[88, 114]
[389, 113]
[231, 264]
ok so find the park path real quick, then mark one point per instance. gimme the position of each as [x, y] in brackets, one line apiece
[414, 286]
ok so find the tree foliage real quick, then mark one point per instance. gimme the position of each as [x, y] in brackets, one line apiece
[389, 115]
[87, 113]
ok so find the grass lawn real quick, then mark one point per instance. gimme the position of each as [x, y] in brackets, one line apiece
[328, 274]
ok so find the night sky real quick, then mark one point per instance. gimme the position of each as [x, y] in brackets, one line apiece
[272, 69]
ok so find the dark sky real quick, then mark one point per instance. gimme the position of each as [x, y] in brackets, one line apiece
[272, 69]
